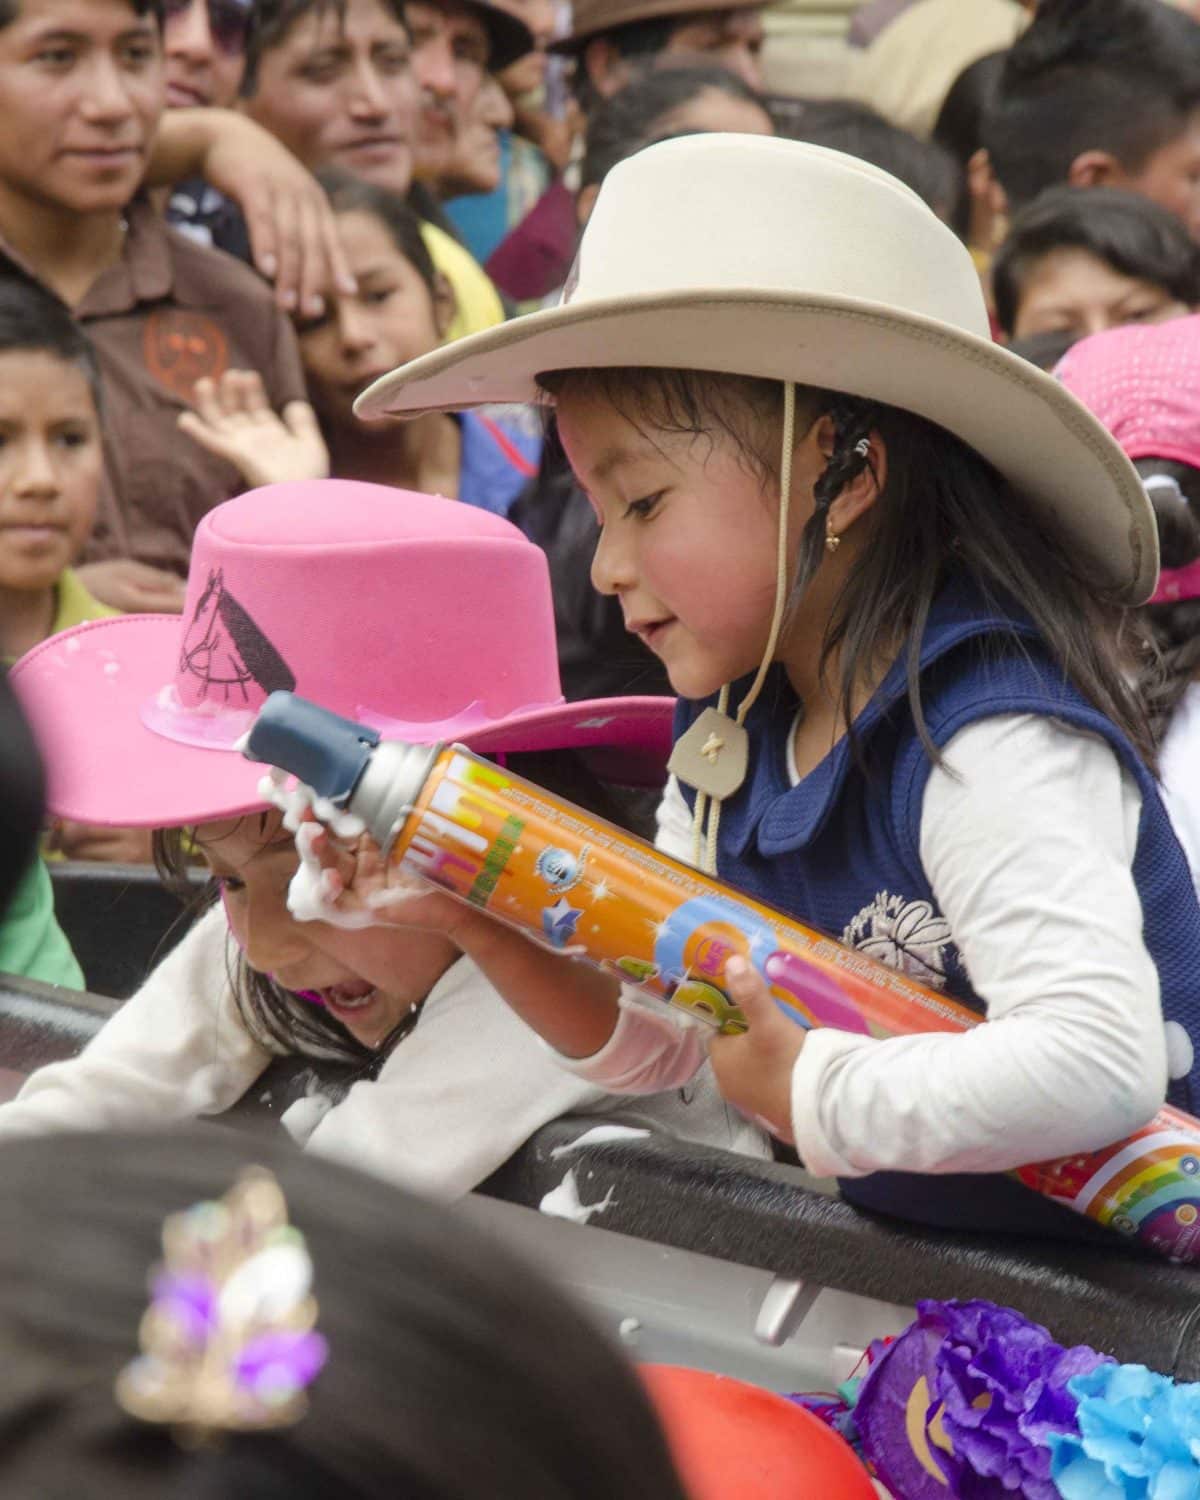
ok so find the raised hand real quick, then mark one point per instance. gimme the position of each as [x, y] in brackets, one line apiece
[293, 237]
[234, 420]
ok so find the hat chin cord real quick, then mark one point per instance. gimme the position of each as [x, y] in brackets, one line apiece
[715, 733]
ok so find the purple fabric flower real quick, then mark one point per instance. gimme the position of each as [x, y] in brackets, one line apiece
[274, 1366]
[1003, 1384]
[966, 1401]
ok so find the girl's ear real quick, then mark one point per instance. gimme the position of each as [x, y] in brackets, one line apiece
[445, 304]
[860, 493]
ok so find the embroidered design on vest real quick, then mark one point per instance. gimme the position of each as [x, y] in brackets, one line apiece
[911, 936]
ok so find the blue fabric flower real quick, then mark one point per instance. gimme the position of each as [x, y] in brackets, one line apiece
[1138, 1438]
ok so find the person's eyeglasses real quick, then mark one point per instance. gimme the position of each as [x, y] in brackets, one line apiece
[228, 21]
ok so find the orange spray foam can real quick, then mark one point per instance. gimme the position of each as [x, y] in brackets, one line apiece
[586, 888]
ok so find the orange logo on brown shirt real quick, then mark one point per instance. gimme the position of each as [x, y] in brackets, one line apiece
[182, 347]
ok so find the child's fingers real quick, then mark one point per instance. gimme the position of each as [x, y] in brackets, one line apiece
[206, 398]
[301, 421]
[749, 992]
[252, 396]
[207, 435]
[324, 853]
[754, 1070]
[372, 868]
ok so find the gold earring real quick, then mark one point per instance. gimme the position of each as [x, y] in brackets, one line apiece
[832, 540]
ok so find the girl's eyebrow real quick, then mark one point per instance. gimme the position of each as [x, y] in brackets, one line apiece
[610, 460]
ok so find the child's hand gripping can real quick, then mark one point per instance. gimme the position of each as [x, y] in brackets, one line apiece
[583, 887]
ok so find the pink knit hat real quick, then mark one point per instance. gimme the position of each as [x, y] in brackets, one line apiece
[1143, 382]
[427, 619]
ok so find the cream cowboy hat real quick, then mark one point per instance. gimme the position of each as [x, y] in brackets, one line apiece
[753, 256]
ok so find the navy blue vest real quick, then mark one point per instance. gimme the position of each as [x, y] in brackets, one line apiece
[841, 852]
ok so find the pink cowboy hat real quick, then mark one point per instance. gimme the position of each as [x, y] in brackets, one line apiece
[427, 619]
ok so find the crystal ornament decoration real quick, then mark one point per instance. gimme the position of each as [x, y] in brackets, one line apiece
[228, 1341]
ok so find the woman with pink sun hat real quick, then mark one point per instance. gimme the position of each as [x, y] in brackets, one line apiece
[429, 620]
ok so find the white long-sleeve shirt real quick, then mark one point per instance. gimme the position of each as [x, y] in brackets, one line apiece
[468, 1085]
[1028, 834]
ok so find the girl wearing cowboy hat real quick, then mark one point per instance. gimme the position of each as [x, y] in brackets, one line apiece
[884, 562]
[311, 585]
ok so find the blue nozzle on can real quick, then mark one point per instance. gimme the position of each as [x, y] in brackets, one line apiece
[319, 748]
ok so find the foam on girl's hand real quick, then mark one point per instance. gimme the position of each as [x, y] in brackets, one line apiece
[345, 825]
[314, 891]
[294, 801]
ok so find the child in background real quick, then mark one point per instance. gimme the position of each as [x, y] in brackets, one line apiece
[1144, 385]
[1076, 261]
[300, 586]
[402, 309]
[51, 464]
[885, 560]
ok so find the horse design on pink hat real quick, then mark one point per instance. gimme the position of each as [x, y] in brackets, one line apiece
[226, 650]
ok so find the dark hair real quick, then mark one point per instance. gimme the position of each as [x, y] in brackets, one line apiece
[33, 319]
[943, 509]
[959, 126]
[24, 798]
[637, 43]
[1119, 76]
[845, 125]
[455, 1371]
[11, 9]
[272, 20]
[348, 194]
[1175, 627]
[284, 1022]
[960, 121]
[621, 126]
[1130, 233]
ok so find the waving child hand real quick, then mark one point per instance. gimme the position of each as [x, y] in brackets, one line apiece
[754, 1070]
[234, 420]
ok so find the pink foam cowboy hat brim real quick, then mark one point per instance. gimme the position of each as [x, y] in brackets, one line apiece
[86, 693]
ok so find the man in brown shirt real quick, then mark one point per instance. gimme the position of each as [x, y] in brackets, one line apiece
[81, 95]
